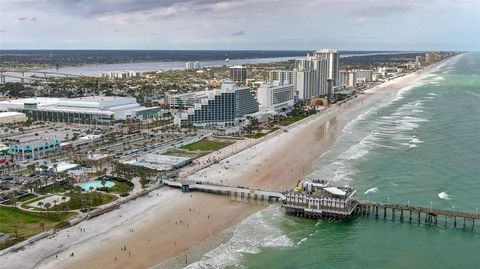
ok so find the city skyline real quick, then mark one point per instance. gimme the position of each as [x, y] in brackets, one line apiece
[240, 24]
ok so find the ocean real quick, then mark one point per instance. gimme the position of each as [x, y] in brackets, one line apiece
[420, 148]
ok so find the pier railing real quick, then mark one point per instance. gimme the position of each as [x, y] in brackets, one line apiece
[416, 214]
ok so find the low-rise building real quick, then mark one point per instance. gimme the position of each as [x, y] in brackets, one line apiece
[94, 110]
[12, 117]
[158, 162]
[350, 78]
[316, 199]
[121, 74]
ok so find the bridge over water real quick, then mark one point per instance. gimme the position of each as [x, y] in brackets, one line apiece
[21, 74]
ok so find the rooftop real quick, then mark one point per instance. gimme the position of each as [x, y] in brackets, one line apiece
[9, 114]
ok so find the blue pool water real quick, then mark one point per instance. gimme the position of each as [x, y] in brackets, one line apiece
[95, 184]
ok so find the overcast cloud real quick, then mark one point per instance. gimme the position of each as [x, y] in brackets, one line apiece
[240, 24]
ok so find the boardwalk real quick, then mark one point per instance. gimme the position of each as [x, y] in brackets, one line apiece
[414, 213]
[234, 192]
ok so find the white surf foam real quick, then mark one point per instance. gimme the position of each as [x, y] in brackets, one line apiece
[250, 236]
[372, 190]
[301, 241]
[443, 195]
[415, 140]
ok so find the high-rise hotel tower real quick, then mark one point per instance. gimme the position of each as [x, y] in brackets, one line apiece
[323, 69]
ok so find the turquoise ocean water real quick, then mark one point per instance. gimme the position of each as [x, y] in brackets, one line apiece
[422, 148]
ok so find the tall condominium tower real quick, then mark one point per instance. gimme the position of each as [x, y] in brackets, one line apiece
[324, 67]
[238, 74]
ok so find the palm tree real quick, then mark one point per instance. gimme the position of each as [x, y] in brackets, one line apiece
[40, 204]
[103, 182]
[47, 206]
[13, 199]
[65, 206]
[55, 167]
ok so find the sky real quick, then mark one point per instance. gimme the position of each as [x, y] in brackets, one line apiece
[241, 24]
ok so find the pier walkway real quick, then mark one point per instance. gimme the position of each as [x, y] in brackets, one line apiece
[234, 192]
[416, 214]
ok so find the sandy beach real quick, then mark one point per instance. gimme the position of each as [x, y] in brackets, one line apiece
[166, 223]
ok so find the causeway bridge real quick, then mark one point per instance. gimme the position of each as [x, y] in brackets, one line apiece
[236, 193]
[21, 75]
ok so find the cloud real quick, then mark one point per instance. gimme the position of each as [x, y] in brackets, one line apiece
[92, 8]
[240, 24]
[239, 33]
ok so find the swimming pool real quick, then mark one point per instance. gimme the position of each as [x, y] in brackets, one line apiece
[96, 184]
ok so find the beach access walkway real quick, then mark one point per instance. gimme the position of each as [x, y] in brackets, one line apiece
[236, 193]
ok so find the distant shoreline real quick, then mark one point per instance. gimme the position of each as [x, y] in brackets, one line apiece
[51, 59]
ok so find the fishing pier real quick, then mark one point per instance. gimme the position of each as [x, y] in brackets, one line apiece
[414, 214]
[318, 200]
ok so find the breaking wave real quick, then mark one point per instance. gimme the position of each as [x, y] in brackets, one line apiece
[372, 190]
[443, 195]
[255, 232]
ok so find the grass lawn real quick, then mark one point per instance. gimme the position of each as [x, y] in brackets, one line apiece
[26, 197]
[121, 187]
[86, 199]
[32, 201]
[51, 189]
[25, 224]
[208, 145]
[257, 135]
[292, 119]
[183, 153]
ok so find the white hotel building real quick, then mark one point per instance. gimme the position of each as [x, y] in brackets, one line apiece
[276, 97]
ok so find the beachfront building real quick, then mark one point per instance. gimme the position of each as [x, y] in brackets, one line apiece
[387, 71]
[350, 78]
[238, 74]
[93, 110]
[322, 70]
[221, 107]
[317, 199]
[192, 65]
[282, 76]
[276, 96]
[305, 83]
